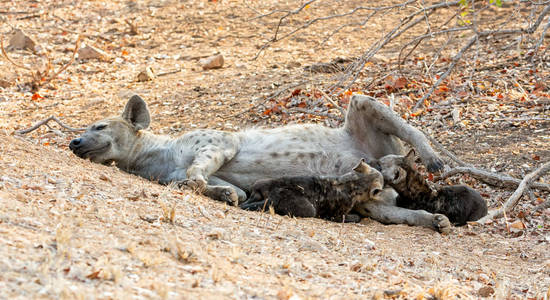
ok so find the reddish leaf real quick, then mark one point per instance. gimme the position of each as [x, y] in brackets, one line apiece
[93, 275]
[400, 83]
[296, 92]
[36, 96]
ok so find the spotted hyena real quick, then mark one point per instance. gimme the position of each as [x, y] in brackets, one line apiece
[225, 165]
[460, 203]
[327, 197]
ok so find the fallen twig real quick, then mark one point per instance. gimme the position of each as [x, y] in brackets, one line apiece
[9, 59]
[64, 67]
[342, 111]
[514, 199]
[45, 121]
[440, 147]
[494, 179]
[315, 113]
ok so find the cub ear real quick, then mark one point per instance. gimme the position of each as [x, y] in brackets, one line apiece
[362, 167]
[410, 157]
[136, 113]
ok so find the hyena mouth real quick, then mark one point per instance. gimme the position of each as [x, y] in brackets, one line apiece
[89, 153]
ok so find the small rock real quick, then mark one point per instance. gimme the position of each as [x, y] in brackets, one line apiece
[212, 62]
[146, 75]
[21, 41]
[486, 291]
[89, 52]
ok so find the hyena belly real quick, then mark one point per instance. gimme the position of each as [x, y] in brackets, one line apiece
[304, 150]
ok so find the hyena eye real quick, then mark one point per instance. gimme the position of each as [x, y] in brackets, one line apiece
[375, 192]
[100, 127]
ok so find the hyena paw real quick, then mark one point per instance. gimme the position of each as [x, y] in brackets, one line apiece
[198, 183]
[441, 223]
[223, 193]
[434, 164]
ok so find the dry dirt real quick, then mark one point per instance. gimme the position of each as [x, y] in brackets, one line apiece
[73, 229]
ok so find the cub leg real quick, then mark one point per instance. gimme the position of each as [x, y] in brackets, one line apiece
[372, 122]
[388, 214]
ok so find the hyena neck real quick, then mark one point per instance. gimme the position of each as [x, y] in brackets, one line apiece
[149, 157]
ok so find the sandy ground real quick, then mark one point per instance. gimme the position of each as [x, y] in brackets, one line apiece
[74, 229]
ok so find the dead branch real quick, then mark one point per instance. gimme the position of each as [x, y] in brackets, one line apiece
[275, 37]
[315, 113]
[9, 59]
[494, 179]
[456, 59]
[392, 35]
[514, 199]
[448, 153]
[342, 111]
[64, 67]
[44, 122]
[40, 78]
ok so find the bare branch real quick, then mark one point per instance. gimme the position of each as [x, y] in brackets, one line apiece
[44, 122]
[494, 179]
[342, 111]
[64, 67]
[9, 59]
[514, 199]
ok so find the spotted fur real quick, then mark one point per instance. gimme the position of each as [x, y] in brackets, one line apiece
[225, 165]
[327, 197]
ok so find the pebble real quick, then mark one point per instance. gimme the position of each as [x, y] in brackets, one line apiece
[21, 41]
[212, 62]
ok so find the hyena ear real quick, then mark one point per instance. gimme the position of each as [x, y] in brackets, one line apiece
[362, 167]
[136, 113]
[410, 157]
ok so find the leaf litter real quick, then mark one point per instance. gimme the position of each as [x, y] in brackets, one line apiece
[81, 218]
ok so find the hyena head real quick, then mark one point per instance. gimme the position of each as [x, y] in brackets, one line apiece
[112, 139]
[371, 184]
[395, 168]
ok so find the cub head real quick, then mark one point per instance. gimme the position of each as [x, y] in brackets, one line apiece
[394, 168]
[112, 139]
[374, 181]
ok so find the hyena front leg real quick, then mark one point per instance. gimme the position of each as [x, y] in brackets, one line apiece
[388, 214]
[374, 124]
[208, 160]
[216, 188]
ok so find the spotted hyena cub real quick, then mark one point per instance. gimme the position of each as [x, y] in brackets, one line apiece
[327, 197]
[459, 203]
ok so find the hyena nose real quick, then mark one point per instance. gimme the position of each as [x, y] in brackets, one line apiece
[75, 144]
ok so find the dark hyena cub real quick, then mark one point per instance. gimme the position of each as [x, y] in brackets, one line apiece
[327, 197]
[459, 203]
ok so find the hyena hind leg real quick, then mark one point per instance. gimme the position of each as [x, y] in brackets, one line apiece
[368, 116]
[388, 214]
